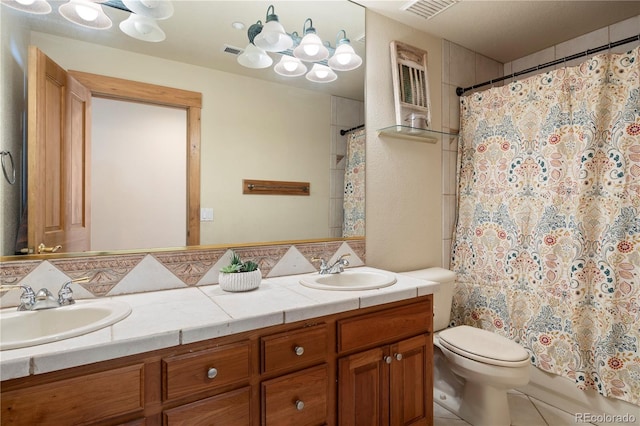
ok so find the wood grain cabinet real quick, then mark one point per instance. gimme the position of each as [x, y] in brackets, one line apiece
[366, 367]
[389, 384]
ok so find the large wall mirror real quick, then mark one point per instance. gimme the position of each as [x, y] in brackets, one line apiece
[255, 123]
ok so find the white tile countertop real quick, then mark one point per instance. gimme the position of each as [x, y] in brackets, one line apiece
[175, 317]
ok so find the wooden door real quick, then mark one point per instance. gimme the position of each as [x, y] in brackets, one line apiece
[58, 149]
[363, 389]
[411, 389]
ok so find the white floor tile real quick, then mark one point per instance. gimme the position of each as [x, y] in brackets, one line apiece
[523, 412]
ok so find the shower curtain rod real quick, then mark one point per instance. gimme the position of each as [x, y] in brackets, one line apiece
[460, 90]
[344, 132]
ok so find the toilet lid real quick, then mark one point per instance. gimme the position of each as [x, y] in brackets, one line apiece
[483, 346]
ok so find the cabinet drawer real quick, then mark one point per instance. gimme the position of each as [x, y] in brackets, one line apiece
[229, 409]
[79, 400]
[385, 326]
[297, 399]
[294, 349]
[209, 369]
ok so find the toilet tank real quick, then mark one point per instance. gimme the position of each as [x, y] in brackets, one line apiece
[443, 297]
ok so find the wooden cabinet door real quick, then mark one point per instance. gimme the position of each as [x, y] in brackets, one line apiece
[363, 389]
[411, 388]
[58, 143]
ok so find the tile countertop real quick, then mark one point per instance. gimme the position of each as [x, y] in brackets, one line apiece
[175, 317]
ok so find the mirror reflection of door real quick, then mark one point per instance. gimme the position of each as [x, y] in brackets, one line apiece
[65, 126]
[58, 147]
[136, 147]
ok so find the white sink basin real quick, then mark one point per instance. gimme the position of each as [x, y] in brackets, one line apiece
[349, 280]
[31, 328]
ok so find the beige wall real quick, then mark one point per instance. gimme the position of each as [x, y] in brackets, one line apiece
[250, 130]
[403, 177]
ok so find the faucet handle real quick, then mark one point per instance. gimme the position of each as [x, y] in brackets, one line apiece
[65, 295]
[27, 298]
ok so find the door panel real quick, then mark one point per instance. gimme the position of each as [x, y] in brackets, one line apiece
[58, 206]
[411, 383]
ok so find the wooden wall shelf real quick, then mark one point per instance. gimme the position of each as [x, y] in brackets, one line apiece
[275, 187]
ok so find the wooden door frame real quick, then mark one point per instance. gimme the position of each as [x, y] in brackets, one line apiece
[128, 90]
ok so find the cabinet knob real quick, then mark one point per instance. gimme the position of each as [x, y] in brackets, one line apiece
[299, 405]
[398, 357]
[387, 359]
[299, 350]
[212, 373]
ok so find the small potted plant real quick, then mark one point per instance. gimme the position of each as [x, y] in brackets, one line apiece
[239, 275]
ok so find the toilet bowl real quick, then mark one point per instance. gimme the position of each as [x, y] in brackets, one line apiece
[473, 368]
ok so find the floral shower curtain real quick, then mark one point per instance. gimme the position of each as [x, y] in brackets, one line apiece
[547, 243]
[353, 225]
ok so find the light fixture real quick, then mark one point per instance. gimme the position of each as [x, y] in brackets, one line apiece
[273, 37]
[344, 58]
[254, 56]
[290, 67]
[38, 7]
[321, 74]
[142, 28]
[86, 13]
[311, 48]
[294, 49]
[154, 9]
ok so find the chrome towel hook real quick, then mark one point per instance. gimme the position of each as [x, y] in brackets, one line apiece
[11, 179]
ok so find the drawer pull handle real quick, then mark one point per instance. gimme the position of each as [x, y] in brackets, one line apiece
[299, 405]
[387, 359]
[398, 357]
[299, 350]
[212, 373]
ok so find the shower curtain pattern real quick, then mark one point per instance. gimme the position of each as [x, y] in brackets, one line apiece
[354, 185]
[547, 243]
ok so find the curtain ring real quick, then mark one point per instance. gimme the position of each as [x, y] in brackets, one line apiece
[11, 179]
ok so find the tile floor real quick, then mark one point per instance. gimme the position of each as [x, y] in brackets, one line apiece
[525, 411]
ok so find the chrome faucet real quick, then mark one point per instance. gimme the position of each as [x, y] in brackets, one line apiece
[335, 268]
[44, 299]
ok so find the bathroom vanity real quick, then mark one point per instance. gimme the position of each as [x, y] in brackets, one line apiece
[349, 357]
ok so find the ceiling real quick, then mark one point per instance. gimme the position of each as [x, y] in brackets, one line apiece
[508, 30]
[199, 30]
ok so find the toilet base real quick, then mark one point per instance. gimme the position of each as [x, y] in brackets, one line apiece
[483, 405]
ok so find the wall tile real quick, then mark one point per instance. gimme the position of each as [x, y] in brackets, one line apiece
[462, 66]
[579, 44]
[446, 68]
[487, 69]
[533, 60]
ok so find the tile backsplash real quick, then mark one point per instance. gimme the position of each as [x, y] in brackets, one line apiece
[111, 275]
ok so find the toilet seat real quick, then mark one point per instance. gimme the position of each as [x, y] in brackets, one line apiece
[484, 346]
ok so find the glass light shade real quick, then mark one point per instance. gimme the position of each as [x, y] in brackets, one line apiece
[85, 13]
[273, 37]
[38, 7]
[321, 74]
[154, 9]
[290, 67]
[345, 58]
[311, 48]
[142, 28]
[254, 57]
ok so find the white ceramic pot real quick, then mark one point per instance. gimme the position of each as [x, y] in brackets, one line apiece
[240, 281]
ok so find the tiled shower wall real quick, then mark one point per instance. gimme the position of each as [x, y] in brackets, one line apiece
[463, 68]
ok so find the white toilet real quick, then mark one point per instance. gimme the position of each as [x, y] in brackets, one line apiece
[473, 368]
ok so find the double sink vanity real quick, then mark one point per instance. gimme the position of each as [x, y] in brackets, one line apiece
[292, 352]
